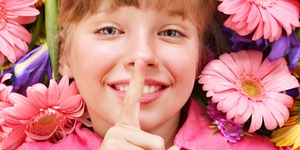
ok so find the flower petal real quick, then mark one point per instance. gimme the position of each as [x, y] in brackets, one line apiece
[14, 139]
[256, 118]
[242, 106]
[269, 120]
[281, 98]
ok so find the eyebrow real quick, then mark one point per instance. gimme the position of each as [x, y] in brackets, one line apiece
[176, 13]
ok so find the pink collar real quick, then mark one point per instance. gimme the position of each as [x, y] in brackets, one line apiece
[195, 132]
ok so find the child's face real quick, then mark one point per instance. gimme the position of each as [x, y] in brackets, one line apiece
[103, 50]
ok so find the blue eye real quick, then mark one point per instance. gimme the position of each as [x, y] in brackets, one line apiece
[170, 33]
[108, 31]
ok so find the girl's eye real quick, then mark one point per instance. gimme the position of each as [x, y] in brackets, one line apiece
[109, 31]
[170, 33]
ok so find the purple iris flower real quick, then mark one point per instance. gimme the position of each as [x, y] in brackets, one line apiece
[293, 92]
[285, 45]
[294, 56]
[245, 42]
[31, 69]
[294, 53]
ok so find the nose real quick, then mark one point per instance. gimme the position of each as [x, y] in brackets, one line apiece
[141, 48]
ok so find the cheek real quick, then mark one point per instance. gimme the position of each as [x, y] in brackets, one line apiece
[185, 64]
[186, 58]
[91, 62]
[185, 77]
[92, 58]
[185, 68]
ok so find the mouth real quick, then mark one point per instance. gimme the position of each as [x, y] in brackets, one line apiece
[152, 90]
[148, 89]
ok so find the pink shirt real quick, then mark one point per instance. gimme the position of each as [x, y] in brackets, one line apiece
[193, 135]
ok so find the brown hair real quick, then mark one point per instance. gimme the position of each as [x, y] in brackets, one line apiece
[72, 12]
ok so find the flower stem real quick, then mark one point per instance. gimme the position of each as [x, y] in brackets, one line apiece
[37, 29]
[51, 13]
[247, 134]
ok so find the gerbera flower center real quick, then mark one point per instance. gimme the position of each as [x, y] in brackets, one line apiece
[2, 16]
[46, 122]
[251, 87]
[264, 3]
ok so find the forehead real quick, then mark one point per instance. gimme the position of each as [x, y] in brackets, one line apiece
[195, 9]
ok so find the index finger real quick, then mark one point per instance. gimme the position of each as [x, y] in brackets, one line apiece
[131, 105]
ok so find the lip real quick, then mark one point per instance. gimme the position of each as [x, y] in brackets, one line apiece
[146, 98]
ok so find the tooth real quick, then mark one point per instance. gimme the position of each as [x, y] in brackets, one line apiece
[122, 88]
[146, 89]
[152, 89]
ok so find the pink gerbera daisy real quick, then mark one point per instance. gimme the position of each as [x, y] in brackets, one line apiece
[243, 86]
[45, 114]
[13, 36]
[4, 103]
[263, 17]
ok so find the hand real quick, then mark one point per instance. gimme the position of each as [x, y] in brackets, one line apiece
[127, 134]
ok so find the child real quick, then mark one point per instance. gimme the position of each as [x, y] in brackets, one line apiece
[135, 63]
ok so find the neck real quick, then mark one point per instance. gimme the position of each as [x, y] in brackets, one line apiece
[167, 130]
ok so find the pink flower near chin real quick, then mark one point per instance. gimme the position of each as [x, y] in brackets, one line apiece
[263, 17]
[45, 114]
[4, 103]
[243, 86]
[13, 36]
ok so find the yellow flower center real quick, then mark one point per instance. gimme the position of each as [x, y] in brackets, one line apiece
[251, 87]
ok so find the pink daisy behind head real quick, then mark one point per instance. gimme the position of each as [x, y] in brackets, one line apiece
[13, 36]
[243, 86]
[45, 114]
[263, 17]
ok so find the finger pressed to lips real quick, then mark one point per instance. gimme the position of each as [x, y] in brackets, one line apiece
[131, 105]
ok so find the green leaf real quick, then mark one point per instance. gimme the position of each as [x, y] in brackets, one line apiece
[51, 23]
